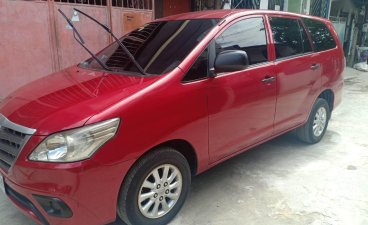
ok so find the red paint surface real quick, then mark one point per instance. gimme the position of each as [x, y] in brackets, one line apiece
[73, 94]
[220, 117]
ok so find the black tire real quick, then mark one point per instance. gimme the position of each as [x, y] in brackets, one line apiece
[128, 208]
[305, 133]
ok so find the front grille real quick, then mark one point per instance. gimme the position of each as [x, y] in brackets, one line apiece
[13, 137]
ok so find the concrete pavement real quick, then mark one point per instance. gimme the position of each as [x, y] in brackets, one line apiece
[283, 181]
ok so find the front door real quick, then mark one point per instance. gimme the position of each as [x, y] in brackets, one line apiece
[242, 104]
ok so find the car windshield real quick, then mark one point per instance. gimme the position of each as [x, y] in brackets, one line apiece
[158, 47]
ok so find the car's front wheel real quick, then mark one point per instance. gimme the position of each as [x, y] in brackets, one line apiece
[316, 126]
[155, 188]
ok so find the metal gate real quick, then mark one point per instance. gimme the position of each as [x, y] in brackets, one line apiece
[246, 4]
[320, 8]
[35, 40]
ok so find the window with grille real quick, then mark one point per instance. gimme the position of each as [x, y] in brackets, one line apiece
[130, 4]
[85, 2]
[133, 4]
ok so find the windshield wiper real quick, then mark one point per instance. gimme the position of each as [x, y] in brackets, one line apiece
[131, 57]
[80, 40]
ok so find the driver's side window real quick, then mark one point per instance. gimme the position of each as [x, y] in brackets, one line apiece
[248, 35]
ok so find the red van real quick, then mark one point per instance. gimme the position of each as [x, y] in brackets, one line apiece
[122, 133]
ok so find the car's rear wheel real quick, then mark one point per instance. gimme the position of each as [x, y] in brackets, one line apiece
[316, 126]
[155, 189]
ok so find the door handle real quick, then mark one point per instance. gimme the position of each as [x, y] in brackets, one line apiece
[315, 66]
[268, 79]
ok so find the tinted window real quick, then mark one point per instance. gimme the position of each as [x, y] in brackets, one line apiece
[320, 34]
[290, 38]
[306, 42]
[199, 69]
[158, 46]
[248, 35]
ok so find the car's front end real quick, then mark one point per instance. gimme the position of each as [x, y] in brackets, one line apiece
[56, 165]
[58, 193]
[68, 140]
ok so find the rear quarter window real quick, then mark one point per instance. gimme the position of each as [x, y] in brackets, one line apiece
[321, 36]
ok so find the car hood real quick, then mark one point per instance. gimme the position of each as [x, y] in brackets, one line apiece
[67, 99]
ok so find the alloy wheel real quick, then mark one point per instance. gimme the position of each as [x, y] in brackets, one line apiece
[319, 122]
[160, 191]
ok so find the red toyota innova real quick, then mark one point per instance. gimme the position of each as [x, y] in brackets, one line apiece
[122, 133]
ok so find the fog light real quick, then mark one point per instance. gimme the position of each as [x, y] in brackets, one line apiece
[54, 206]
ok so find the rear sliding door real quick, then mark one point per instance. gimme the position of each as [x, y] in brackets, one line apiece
[297, 70]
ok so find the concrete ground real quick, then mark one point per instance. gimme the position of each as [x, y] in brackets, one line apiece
[284, 181]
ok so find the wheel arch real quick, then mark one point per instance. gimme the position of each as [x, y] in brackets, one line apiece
[180, 145]
[326, 94]
[329, 96]
[185, 148]
[177, 145]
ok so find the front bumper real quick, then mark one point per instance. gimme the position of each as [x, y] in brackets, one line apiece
[88, 188]
[24, 199]
[25, 205]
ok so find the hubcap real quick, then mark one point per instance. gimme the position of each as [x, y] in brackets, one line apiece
[319, 122]
[160, 191]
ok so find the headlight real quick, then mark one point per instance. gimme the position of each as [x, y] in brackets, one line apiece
[77, 144]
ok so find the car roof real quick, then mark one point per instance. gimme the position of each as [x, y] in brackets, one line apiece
[221, 14]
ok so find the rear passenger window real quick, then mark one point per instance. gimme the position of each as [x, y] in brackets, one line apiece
[289, 36]
[320, 34]
[248, 35]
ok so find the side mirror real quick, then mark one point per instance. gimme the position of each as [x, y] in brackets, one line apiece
[231, 61]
